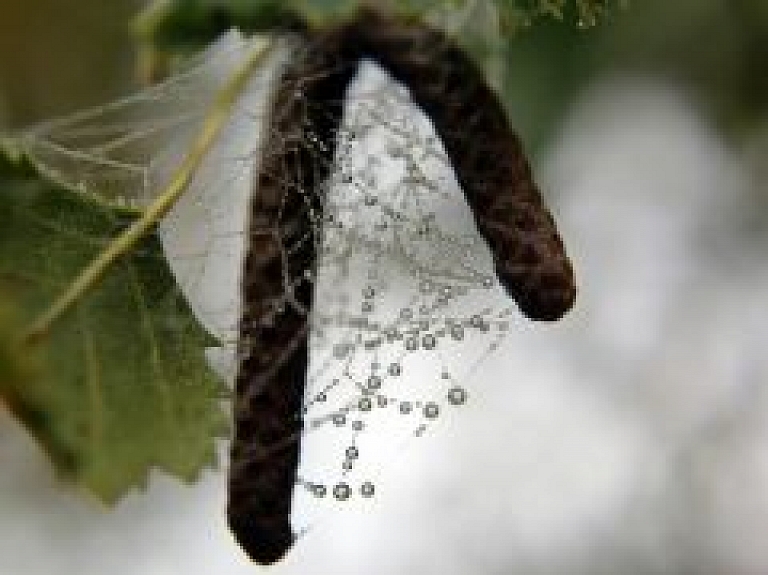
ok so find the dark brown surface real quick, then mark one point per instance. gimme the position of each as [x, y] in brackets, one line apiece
[285, 213]
[487, 156]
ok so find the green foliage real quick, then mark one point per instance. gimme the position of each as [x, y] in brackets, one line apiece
[119, 384]
[716, 49]
[178, 25]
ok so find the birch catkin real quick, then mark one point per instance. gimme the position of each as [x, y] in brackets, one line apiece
[280, 263]
[485, 152]
[286, 219]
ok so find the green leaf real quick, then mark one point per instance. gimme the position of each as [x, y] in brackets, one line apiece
[122, 385]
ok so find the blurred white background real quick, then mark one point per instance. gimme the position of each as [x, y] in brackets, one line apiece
[630, 438]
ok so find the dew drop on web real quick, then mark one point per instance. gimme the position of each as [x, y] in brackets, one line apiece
[405, 298]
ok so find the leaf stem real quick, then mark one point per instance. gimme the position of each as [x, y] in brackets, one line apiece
[212, 125]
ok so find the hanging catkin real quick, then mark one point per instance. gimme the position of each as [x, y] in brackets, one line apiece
[486, 154]
[280, 264]
[286, 216]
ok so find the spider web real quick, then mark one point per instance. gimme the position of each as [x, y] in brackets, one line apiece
[406, 303]
[406, 300]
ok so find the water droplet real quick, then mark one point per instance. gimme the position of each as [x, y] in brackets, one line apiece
[365, 404]
[352, 452]
[457, 332]
[406, 313]
[412, 343]
[369, 292]
[476, 321]
[341, 491]
[321, 397]
[429, 341]
[319, 490]
[406, 407]
[339, 419]
[367, 489]
[357, 425]
[382, 401]
[374, 383]
[457, 395]
[431, 410]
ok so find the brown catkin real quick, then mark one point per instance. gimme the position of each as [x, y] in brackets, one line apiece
[486, 154]
[286, 213]
[273, 349]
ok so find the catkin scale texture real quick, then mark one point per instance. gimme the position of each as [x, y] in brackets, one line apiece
[286, 216]
[286, 211]
[486, 154]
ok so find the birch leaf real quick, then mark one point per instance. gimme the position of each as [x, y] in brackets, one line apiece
[122, 384]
